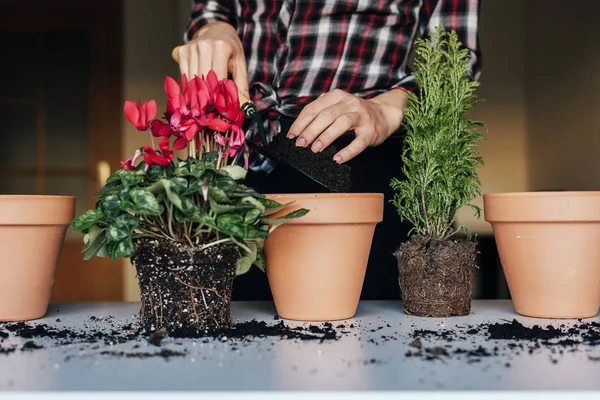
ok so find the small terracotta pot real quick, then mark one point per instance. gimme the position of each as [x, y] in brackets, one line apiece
[32, 232]
[316, 264]
[548, 244]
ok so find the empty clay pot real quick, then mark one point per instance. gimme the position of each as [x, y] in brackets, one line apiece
[548, 244]
[316, 264]
[32, 232]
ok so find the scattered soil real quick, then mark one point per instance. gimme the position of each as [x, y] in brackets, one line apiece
[436, 277]
[164, 353]
[183, 290]
[521, 340]
[236, 335]
[320, 166]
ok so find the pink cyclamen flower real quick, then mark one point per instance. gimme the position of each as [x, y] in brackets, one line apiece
[130, 164]
[139, 114]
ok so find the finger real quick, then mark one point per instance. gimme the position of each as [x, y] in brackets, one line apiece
[355, 147]
[239, 73]
[194, 55]
[220, 62]
[341, 125]
[184, 56]
[205, 59]
[319, 124]
[309, 112]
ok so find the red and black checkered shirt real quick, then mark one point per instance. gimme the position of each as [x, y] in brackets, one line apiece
[297, 50]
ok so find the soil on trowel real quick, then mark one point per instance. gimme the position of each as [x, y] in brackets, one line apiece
[436, 277]
[183, 290]
[319, 166]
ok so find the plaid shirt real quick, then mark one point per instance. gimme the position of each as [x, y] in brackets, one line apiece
[298, 50]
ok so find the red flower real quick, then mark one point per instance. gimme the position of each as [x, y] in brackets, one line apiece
[130, 164]
[140, 115]
[159, 128]
[182, 126]
[237, 141]
[152, 158]
[227, 102]
[217, 124]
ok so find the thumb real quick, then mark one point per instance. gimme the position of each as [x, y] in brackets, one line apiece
[240, 76]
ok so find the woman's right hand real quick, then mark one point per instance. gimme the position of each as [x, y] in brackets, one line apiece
[215, 46]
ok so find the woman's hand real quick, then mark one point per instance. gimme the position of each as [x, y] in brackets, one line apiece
[216, 46]
[337, 112]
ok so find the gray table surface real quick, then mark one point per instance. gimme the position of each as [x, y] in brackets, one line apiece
[361, 360]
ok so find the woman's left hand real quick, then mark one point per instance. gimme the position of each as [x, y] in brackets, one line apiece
[337, 112]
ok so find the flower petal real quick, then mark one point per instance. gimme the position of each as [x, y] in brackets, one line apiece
[212, 80]
[217, 124]
[132, 112]
[180, 143]
[171, 87]
[151, 110]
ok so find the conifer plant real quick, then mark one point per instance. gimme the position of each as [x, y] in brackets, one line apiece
[440, 157]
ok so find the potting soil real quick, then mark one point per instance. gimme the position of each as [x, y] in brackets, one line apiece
[320, 166]
[435, 276]
[183, 290]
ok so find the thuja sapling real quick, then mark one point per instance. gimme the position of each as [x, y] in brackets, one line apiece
[440, 177]
[189, 225]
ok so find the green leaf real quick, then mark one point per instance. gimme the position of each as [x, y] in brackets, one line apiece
[211, 158]
[195, 186]
[187, 206]
[124, 194]
[164, 186]
[252, 216]
[155, 173]
[109, 188]
[235, 172]
[95, 243]
[198, 217]
[125, 248]
[261, 261]
[126, 177]
[242, 265]
[121, 228]
[218, 195]
[273, 207]
[233, 224]
[274, 223]
[278, 221]
[110, 206]
[256, 203]
[245, 262]
[145, 202]
[112, 248]
[199, 167]
[227, 208]
[86, 220]
[178, 185]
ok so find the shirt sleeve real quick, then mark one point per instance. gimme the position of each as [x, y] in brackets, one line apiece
[207, 11]
[462, 16]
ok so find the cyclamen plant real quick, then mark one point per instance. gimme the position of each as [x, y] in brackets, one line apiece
[198, 201]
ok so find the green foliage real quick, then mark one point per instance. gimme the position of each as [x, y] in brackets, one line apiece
[440, 156]
[192, 202]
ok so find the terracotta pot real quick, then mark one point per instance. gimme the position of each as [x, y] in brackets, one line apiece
[32, 232]
[549, 248]
[316, 264]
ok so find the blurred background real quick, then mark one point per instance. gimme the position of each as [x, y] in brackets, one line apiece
[67, 65]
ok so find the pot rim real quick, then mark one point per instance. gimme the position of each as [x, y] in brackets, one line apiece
[34, 197]
[582, 193]
[326, 195]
